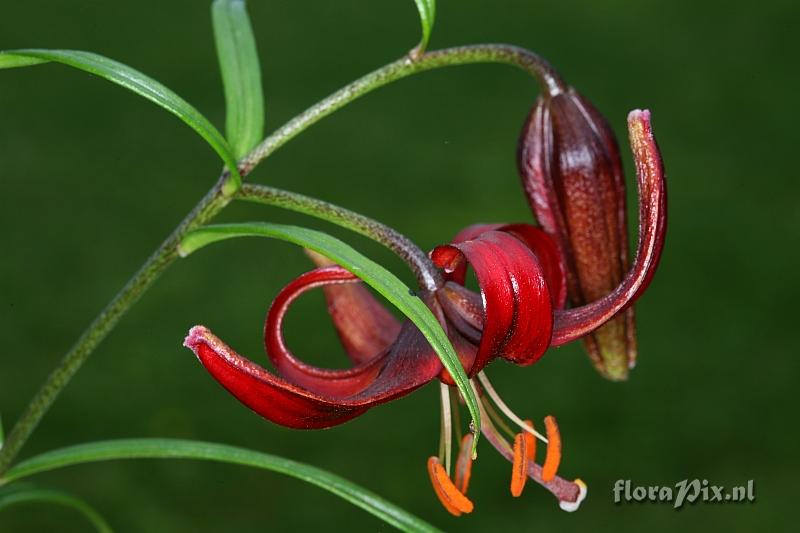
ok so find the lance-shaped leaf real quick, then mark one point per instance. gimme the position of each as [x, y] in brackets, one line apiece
[139, 83]
[16, 494]
[241, 75]
[427, 15]
[209, 451]
[380, 279]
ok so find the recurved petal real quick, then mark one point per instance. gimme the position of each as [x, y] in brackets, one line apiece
[542, 245]
[306, 396]
[463, 309]
[574, 323]
[365, 327]
[268, 395]
[407, 365]
[336, 383]
[517, 322]
[546, 251]
[473, 231]
[653, 187]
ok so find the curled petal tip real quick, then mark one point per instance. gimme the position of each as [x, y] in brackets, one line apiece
[194, 337]
[268, 395]
[639, 114]
[308, 397]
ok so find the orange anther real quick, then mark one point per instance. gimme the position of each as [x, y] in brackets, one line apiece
[464, 463]
[452, 499]
[530, 441]
[519, 470]
[553, 457]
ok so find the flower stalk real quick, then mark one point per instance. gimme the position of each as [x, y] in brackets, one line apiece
[427, 274]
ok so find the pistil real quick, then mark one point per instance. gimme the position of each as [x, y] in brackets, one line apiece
[570, 494]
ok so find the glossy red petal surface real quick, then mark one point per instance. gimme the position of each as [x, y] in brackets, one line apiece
[473, 231]
[538, 241]
[409, 364]
[305, 396]
[549, 257]
[268, 395]
[517, 322]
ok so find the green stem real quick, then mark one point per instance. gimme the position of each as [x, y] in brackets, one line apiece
[216, 199]
[427, 274]
[549, 81]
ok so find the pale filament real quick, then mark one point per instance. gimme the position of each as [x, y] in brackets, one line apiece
[447, 425]
[487, 386]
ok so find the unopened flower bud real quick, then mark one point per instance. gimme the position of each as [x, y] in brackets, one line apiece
[570, 166]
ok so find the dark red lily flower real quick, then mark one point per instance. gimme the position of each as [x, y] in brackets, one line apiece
[518, 314]
[571, 171]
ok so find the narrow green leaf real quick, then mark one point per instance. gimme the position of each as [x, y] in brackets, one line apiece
[383, 281]
[241, 75]
[185, 449]
[28, 494]
[13, 61]
[134, 81]
[2, 433]
[427, 14]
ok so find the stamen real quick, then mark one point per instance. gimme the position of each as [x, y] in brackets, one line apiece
[530, 442]
[447, 427]
[464, 463]
[451, 498]
[553, 457]
[569, 493]
[505, 409]
[497, 419]
[519, 469]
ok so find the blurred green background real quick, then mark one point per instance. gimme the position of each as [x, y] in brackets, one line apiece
[94, 177]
